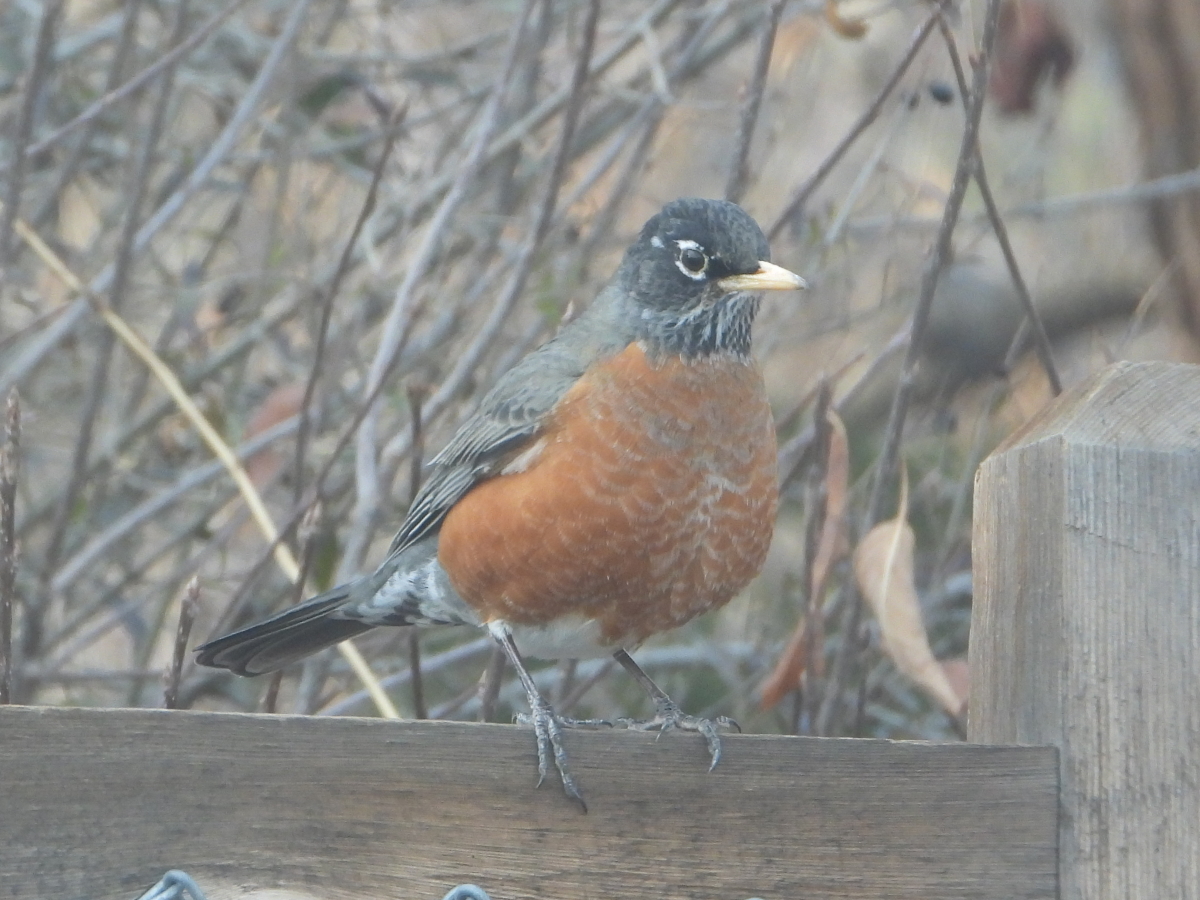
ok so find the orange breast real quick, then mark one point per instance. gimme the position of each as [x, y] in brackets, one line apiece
[651, 500]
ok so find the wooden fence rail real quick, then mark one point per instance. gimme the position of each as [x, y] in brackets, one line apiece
[98, 803]
[1086, 638]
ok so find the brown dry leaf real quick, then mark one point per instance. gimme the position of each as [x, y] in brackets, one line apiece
[785, 677]
[1031, 43]
[883, 569]
[209, 318]
[79, 219]
[837, 483]
[793, 41]
[279, 406]
[853, 29]
[958, 673]
[793, 661]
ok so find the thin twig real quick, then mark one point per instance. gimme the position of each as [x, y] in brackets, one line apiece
[470, 358]
[392, 130]
[270, 700]
[90, 676]
[252, 336]
[963, 484]
[938, 259]
[735, 184]
[399, 319]
[240, 596]
[902, 115]
[34, 354]
[215, 442]
[1149, 297]
[187, 617]
[138, 81]
[116, 71]
[98, 385]
[792, 452]
[483, 340]
[488, 690]
[817, 504]
[430, 665]
[420, 707]
[602, 222]
[34, 84]
[523, 95]
[453, 705]
[800, 198]
[1040, 337]
[575, 98]
[120, 611]
[307, 533]
[10, 467]
[577, 693]
[94, 397]
[416, 395]
[516, 283]
[894, 429]
[631, 36]
[545, 216]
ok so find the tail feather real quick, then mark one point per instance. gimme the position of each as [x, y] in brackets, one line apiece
[283, 639]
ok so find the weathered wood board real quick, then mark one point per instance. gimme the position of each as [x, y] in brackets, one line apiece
[1085, 632]
[98, 803]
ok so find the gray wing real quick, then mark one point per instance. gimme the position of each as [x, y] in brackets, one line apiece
[510, 415]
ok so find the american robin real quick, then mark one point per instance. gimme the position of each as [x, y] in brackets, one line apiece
[615, 483]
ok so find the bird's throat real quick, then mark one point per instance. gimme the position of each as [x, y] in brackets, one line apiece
[721, 328]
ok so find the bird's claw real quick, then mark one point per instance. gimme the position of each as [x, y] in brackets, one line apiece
[668, 715]
[548, 726]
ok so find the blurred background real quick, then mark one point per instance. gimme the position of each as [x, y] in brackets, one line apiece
[204, 167]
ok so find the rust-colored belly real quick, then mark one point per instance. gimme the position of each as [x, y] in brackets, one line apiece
[651, 500]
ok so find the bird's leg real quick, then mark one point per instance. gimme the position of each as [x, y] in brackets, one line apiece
[547, 724]
[668, 715]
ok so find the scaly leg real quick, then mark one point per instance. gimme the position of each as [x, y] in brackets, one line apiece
[547, 724]
[668, 715]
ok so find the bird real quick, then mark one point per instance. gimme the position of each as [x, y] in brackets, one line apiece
[615, 483]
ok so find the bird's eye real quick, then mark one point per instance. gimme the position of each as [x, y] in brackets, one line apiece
[693, 260]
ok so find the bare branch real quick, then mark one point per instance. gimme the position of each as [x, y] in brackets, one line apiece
[735, 184]
[10, 463]
[803, 194]
[187, 616]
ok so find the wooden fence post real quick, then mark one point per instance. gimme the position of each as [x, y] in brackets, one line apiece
[1086, 625]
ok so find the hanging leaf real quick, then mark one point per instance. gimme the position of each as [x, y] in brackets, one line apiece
[883, 569]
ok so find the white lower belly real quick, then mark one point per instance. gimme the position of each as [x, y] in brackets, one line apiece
[571, 637]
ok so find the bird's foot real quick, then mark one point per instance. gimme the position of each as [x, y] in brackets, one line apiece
[548, 726]
[668, 715]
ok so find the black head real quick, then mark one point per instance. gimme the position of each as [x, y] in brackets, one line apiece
[688, 273]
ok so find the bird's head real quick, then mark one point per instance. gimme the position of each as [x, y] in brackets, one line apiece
[692, 275]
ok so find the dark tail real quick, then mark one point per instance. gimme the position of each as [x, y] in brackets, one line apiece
[290, 636]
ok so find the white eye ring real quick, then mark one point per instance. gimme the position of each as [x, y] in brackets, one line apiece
[684, 247]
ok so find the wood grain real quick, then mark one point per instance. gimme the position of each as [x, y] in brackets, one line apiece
[1086, 625]
[98, 803]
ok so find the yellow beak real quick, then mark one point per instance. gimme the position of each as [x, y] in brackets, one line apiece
[769, 277]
